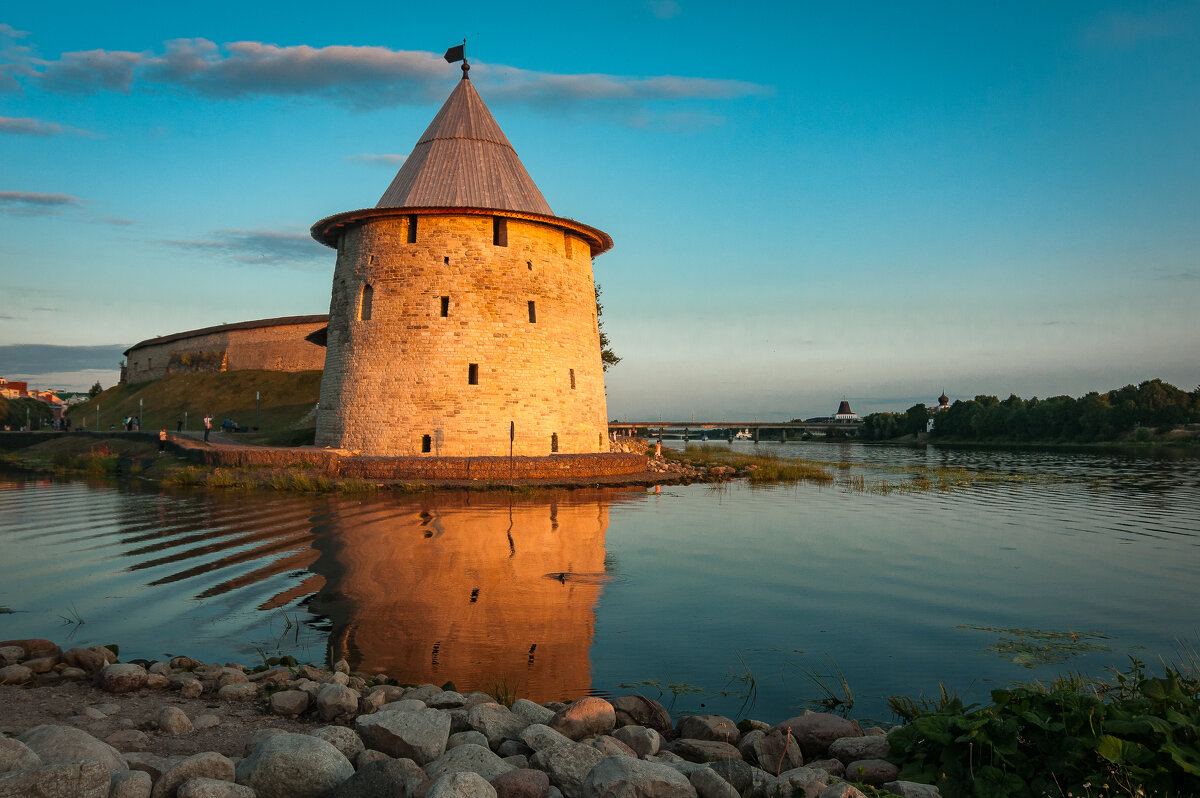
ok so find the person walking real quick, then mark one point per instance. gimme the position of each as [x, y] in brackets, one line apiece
[207, 425]
[162, 440]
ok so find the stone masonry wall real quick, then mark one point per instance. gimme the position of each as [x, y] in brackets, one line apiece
[276, 348]
[403, 373]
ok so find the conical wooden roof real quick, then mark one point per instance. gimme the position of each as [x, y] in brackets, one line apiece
[464, 160]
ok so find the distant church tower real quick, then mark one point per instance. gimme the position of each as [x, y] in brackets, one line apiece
[462, 305]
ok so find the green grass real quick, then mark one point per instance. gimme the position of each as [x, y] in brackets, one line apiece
[763, 468]
[287, 400]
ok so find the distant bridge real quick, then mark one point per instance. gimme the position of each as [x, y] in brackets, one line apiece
[728, 429]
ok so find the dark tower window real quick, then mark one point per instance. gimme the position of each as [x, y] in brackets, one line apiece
[499, 231]
[445, 306]
[473, 374]
[364, 305]
[567, 244]
[412, 228]
[554, 442]
[446, 260]
[532, 312]
[426, 443]
[529, 265]
[572, 379]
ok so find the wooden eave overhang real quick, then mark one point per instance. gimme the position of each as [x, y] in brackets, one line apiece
[330, 228]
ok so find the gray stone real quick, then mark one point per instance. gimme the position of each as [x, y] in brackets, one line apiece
[447, 699]
[93, 713]
[539, 737]
[15, 674]
[232, 676]
[496, 722]
[369, 755]
[773, 751]
[334, 700]
[642, 740]
[816, 730]
[708, 784]
[190, 688]
[289, 703]
[205, 721]
[239, 691]
[341, 738]
[389, 692]
[461, 785]
[423, 693]
[912, 789]
[850, 749]
[519, 761]
[872, 771]
[637, 710]
[41, 664]
[128, 740]
[567, 766]
[173, 720]
[160, 668]
[252, 740]
[627, 777]
[833, 767]
[705, 750]
[54, 744]
[157, 681]
[403, 705]
[666, 756]
[534, 713]
[841, 790]
[130, 784]
[11, 655]
[122, 677]
[74, 674]
[744, 777]
[803, 781]
[81, 779]
[383, 778]
[521, 783]
[208, 765]
[462, 738]
[709, 727]
[586, 717]
[15, 755]
[513, 748]
[610, 746]
[468, 756]
[151, 764]
[293, 766]
[213, 788]
[419, 735]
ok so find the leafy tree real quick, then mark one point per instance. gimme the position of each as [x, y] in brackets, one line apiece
[916, 419]
[95, 390]
[607, 356]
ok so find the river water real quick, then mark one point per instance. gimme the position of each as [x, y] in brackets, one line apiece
[733, 599]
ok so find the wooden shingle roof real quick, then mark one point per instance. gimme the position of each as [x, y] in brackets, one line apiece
[464, 160]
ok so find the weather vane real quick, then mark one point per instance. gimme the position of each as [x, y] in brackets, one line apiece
[458, 53]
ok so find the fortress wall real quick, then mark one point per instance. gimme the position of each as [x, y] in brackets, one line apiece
[403, 372]
[273, 348]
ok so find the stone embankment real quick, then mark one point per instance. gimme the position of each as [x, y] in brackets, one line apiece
[682, 471]
[351, 735]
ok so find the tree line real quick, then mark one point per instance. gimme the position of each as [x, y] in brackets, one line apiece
[1090, 418]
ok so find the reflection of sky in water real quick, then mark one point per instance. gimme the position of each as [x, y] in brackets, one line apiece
[683, 587]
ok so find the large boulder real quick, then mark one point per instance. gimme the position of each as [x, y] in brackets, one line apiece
[875, 772]
[86, 659]
[461, 785]
[82, 779]
[208, 765]
[586, 717]
[705, 750]
[419, 735]
[709, 727]
[33, 647]
[912, 789]
[709, 784]
[626, 777]
[288, 703]
[852, 749]
[293, 766]
[173, 720]
[496, 722]
[803, 781]
[468, 757]
[642, 740]
[773, 751]
[539, 737]
[15, 755]
[122, 677]
[815, 731]
[55, 744]
[567, 766]
[201, 787]
[15, 674]
[383, 778]
[521, 783]
[130, 784]
[637, 710]
[534, 713]
[341, 738]
[335, 699]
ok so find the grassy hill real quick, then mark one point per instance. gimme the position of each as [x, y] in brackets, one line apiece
[286, 402]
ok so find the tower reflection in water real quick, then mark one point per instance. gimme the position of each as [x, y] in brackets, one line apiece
[482, 590]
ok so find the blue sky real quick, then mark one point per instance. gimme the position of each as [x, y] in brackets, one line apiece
[808, 200]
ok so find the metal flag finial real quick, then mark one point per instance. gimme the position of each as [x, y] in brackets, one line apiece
[458, 53]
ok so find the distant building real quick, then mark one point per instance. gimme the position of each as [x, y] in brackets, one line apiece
[844, 413]
[943, 404]
[11, 389]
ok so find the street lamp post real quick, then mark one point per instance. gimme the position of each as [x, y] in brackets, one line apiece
[139, 415]
[256, 410]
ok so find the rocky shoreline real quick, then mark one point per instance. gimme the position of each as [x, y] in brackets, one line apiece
[81, 724]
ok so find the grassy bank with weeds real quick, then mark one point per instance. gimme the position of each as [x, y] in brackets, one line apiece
[763, 468]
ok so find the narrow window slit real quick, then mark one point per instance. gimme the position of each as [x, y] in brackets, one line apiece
[426, 443]
[473, 374]
[554, 442]
[445, 306]
[499, 231]
[532, 312]
[412, 228]
[364, 305]
[572, 379]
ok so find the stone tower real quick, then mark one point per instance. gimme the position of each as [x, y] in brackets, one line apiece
[462, 308]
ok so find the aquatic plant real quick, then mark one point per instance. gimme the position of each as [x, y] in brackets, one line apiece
[1135, 734]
